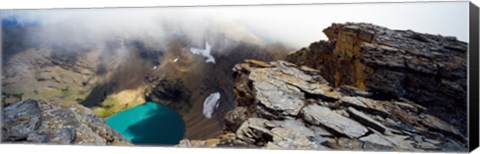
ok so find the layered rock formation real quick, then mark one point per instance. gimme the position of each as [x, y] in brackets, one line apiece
[427, 69]
[282, 105]
[37, 121]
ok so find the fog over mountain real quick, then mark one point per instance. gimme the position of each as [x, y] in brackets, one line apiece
[110, 60]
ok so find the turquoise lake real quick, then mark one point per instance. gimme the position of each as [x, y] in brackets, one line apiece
[149, 124]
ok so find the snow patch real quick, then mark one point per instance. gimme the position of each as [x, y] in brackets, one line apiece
[204, 52]
[210, 104]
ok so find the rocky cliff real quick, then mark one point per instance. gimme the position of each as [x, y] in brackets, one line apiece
[430, 70]
[282, 105]
[37, 121]
[366, 88]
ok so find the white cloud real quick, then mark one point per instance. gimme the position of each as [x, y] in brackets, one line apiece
[295, 25]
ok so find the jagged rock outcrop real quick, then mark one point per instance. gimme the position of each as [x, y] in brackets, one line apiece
[38, 121]
[427, 69]
[284, 106]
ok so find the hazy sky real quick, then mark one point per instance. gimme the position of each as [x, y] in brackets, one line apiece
[305, 23]
[296, 25]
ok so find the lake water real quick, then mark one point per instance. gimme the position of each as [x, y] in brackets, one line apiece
[149, 124]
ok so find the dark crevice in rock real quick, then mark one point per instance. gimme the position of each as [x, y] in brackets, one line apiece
[367, 110]
[369, 132]
[367, 121]
[457, 137]
[318, 96]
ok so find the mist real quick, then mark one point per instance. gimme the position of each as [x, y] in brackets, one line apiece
[130, 50]
[295, 26]
[93, 26]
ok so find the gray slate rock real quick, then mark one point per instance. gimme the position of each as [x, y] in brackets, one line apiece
[286, 134]
[38, 121]
[20, 120]
[319, 115]
[367, 121]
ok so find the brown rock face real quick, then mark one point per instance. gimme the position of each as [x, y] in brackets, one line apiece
[427, 69]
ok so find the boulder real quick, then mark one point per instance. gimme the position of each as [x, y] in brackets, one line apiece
[19, 120]
[51, 122]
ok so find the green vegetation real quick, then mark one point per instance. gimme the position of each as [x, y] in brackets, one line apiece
[111, 106]
[104, 112]
[64, 89]
[11, 98]
[79, 100]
